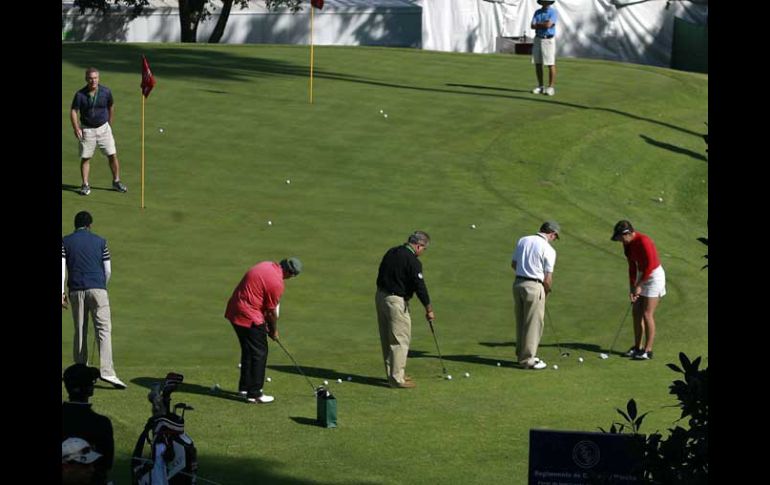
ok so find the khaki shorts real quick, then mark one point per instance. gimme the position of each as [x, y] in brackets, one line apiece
[544, 51]
[101, 137]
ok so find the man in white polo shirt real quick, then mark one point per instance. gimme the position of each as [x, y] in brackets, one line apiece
[533, 262]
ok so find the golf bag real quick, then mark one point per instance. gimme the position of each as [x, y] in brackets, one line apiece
[172, 458]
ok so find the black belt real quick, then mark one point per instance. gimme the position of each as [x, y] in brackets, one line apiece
[390, 292]
[545, 37]
[528, 279]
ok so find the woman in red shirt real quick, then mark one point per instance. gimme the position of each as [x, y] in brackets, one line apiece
[647, 285]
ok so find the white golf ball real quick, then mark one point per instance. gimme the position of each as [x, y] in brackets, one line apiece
[555, 367]
[326, 383]
[580, 359]
[660, 199]
[339, 381]
[381, 111]
[350, 378]
[448, 377]
[161, 130]
[239, 366]
[385, 115]
[269, 379]
[498, 364]
[467, 374]
[473, 226]
[288, 181]
[269, 223]
[604, 356]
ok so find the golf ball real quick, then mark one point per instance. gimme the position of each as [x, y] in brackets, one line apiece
[215, 388]
[604, 356]
[467, 374]
[239, 366]
[555, 367]
[269, 223]
[385, 115]
[350, 378]
[326, 383]
[473, 226]
[580, 359]
[288, 181]
[381, 111]
[660, 199]
[161, 130]
[339, 381]
[269, 379]
[498, 364]
[448, 377]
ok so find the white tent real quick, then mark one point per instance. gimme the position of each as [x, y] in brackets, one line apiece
[639, 31]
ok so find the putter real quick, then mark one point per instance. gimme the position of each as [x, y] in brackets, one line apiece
[617, 334]
[550, 319]
[430, 322]
[295, 364]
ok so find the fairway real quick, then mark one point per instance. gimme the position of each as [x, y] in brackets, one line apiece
[464, 143]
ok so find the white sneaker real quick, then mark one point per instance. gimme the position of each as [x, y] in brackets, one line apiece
[549, 91]
[539, 364]
[263, 399]
[538, 90]
[116, 383]
[242, 393]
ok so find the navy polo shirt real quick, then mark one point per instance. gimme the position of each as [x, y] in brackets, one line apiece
[85, 253]
[94, 110]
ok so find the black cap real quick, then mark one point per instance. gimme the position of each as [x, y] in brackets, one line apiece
[622, 227]
[78, 376]
[292, 265]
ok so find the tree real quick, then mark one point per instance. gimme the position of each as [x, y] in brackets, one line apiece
[191, 12]
[681, 457]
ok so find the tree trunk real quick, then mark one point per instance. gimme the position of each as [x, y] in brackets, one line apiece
[219, 29]
[190, 12]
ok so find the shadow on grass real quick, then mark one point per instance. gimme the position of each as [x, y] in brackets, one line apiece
[200, 62]
[228, 470]
[76, 188]
[190, 388]
[331, 374]
[674, 148]
[306, 421]
[467, 358]
[580, 347]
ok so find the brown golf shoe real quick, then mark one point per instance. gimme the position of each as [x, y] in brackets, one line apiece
[404, 385]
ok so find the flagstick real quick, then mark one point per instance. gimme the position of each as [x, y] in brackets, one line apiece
[311, 54]
[142, 95]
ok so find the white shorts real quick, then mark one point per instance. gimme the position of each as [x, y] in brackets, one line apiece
[544, 51]
[101, 137]
[655, 286]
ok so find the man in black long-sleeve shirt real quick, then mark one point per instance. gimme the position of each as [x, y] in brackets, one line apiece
[400, 277]
[80, 421]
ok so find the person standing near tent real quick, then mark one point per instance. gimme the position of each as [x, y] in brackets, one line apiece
[253, 312]
[544, 46]
[91, 116]
[647, 285]
[533, 262]
[399, 277]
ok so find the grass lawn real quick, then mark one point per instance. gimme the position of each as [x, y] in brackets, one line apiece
[464, 143]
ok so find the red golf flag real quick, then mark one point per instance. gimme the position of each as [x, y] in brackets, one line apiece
[317, 3]
[148, 81]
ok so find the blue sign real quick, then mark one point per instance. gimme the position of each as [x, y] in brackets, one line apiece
[583, 458]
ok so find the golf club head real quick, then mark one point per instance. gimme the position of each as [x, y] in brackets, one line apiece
[604, 356]
[565, 354]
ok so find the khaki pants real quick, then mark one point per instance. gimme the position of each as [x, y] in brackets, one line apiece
[395, 334]
[529, 305]
[95, 302]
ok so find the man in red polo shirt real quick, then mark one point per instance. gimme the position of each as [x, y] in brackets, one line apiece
[647, 285]
[253, 312]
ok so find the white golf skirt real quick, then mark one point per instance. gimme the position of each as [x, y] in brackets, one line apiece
[655, 286]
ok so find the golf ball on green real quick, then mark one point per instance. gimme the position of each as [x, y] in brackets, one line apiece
[467, 374]
[326, 383]
[555, 367]
[448, 377]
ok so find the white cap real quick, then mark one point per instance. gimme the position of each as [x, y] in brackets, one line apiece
[77, 450]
